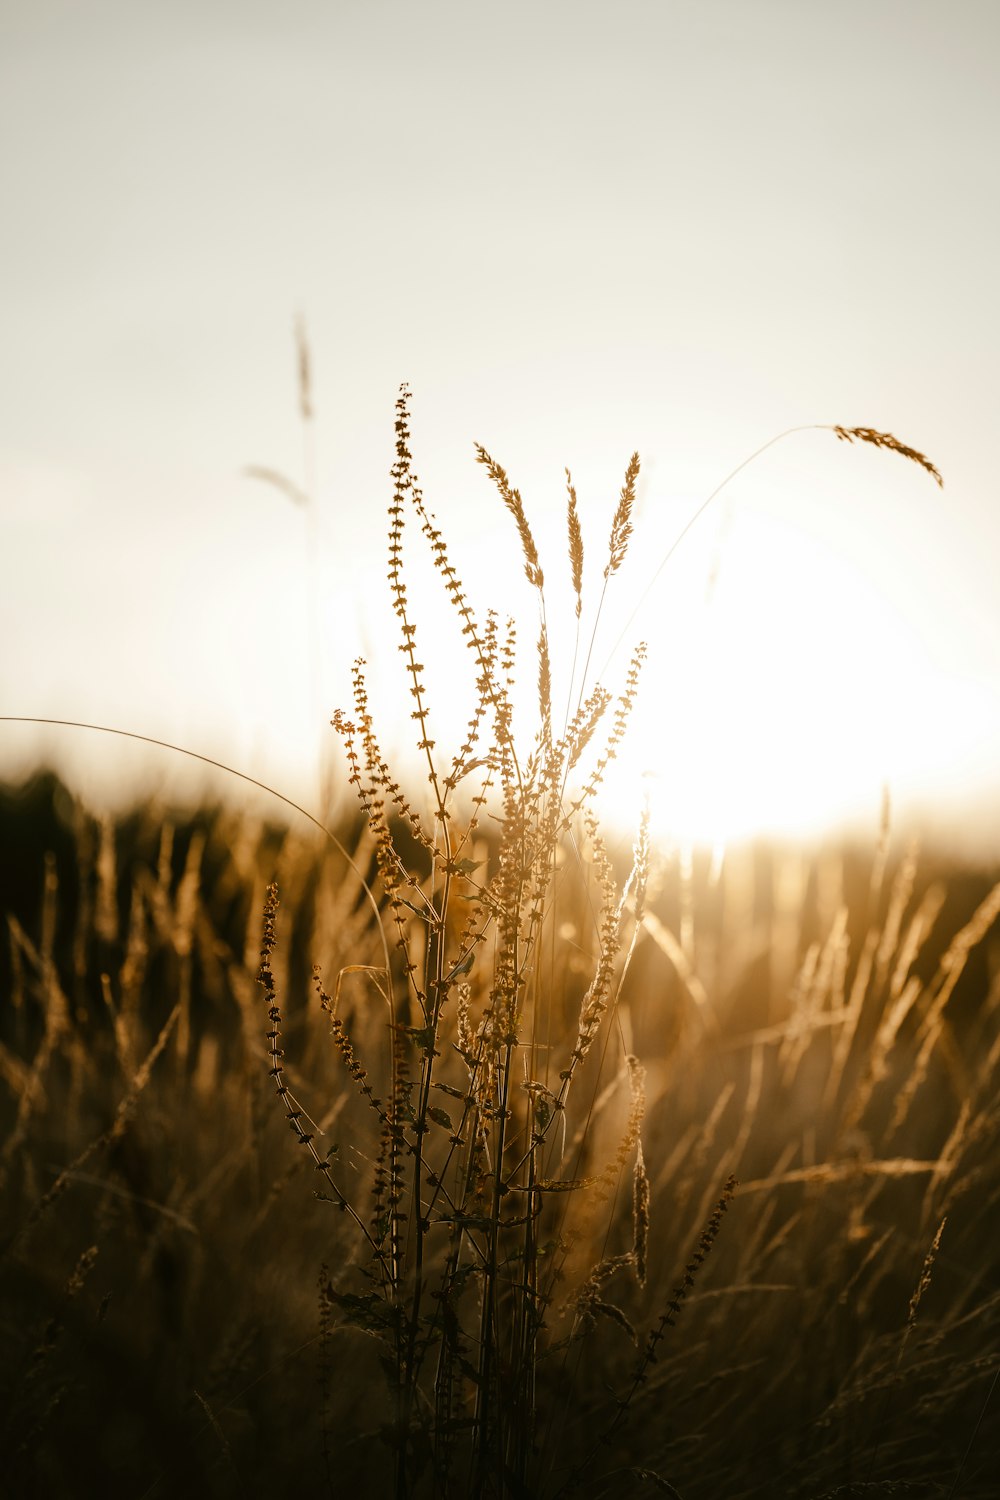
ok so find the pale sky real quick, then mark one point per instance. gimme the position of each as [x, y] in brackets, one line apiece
[576, 230]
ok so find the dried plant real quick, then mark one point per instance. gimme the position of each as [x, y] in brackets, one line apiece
[886, 440]
[466, 1190]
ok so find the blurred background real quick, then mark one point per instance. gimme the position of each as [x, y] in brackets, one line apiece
[576, 231]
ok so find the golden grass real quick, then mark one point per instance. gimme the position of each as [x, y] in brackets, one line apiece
[211, 1233]
[609, 1175]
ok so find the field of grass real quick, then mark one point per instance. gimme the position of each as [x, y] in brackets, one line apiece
[463, 1154]
[180, 1310]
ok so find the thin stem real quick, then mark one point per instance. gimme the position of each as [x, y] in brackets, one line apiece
[807, 427]
[148, 739]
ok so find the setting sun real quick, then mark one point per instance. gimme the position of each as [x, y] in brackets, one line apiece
[782, 695]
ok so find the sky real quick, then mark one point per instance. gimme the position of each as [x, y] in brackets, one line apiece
[576, 230]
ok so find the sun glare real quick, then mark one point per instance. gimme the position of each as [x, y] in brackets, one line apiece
[780, 697]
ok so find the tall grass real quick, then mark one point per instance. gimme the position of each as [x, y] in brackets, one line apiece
[597, 1178]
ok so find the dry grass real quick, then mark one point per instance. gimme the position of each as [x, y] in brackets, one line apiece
[603, 1177]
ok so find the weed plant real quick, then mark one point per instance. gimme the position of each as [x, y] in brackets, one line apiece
[674, 1176]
